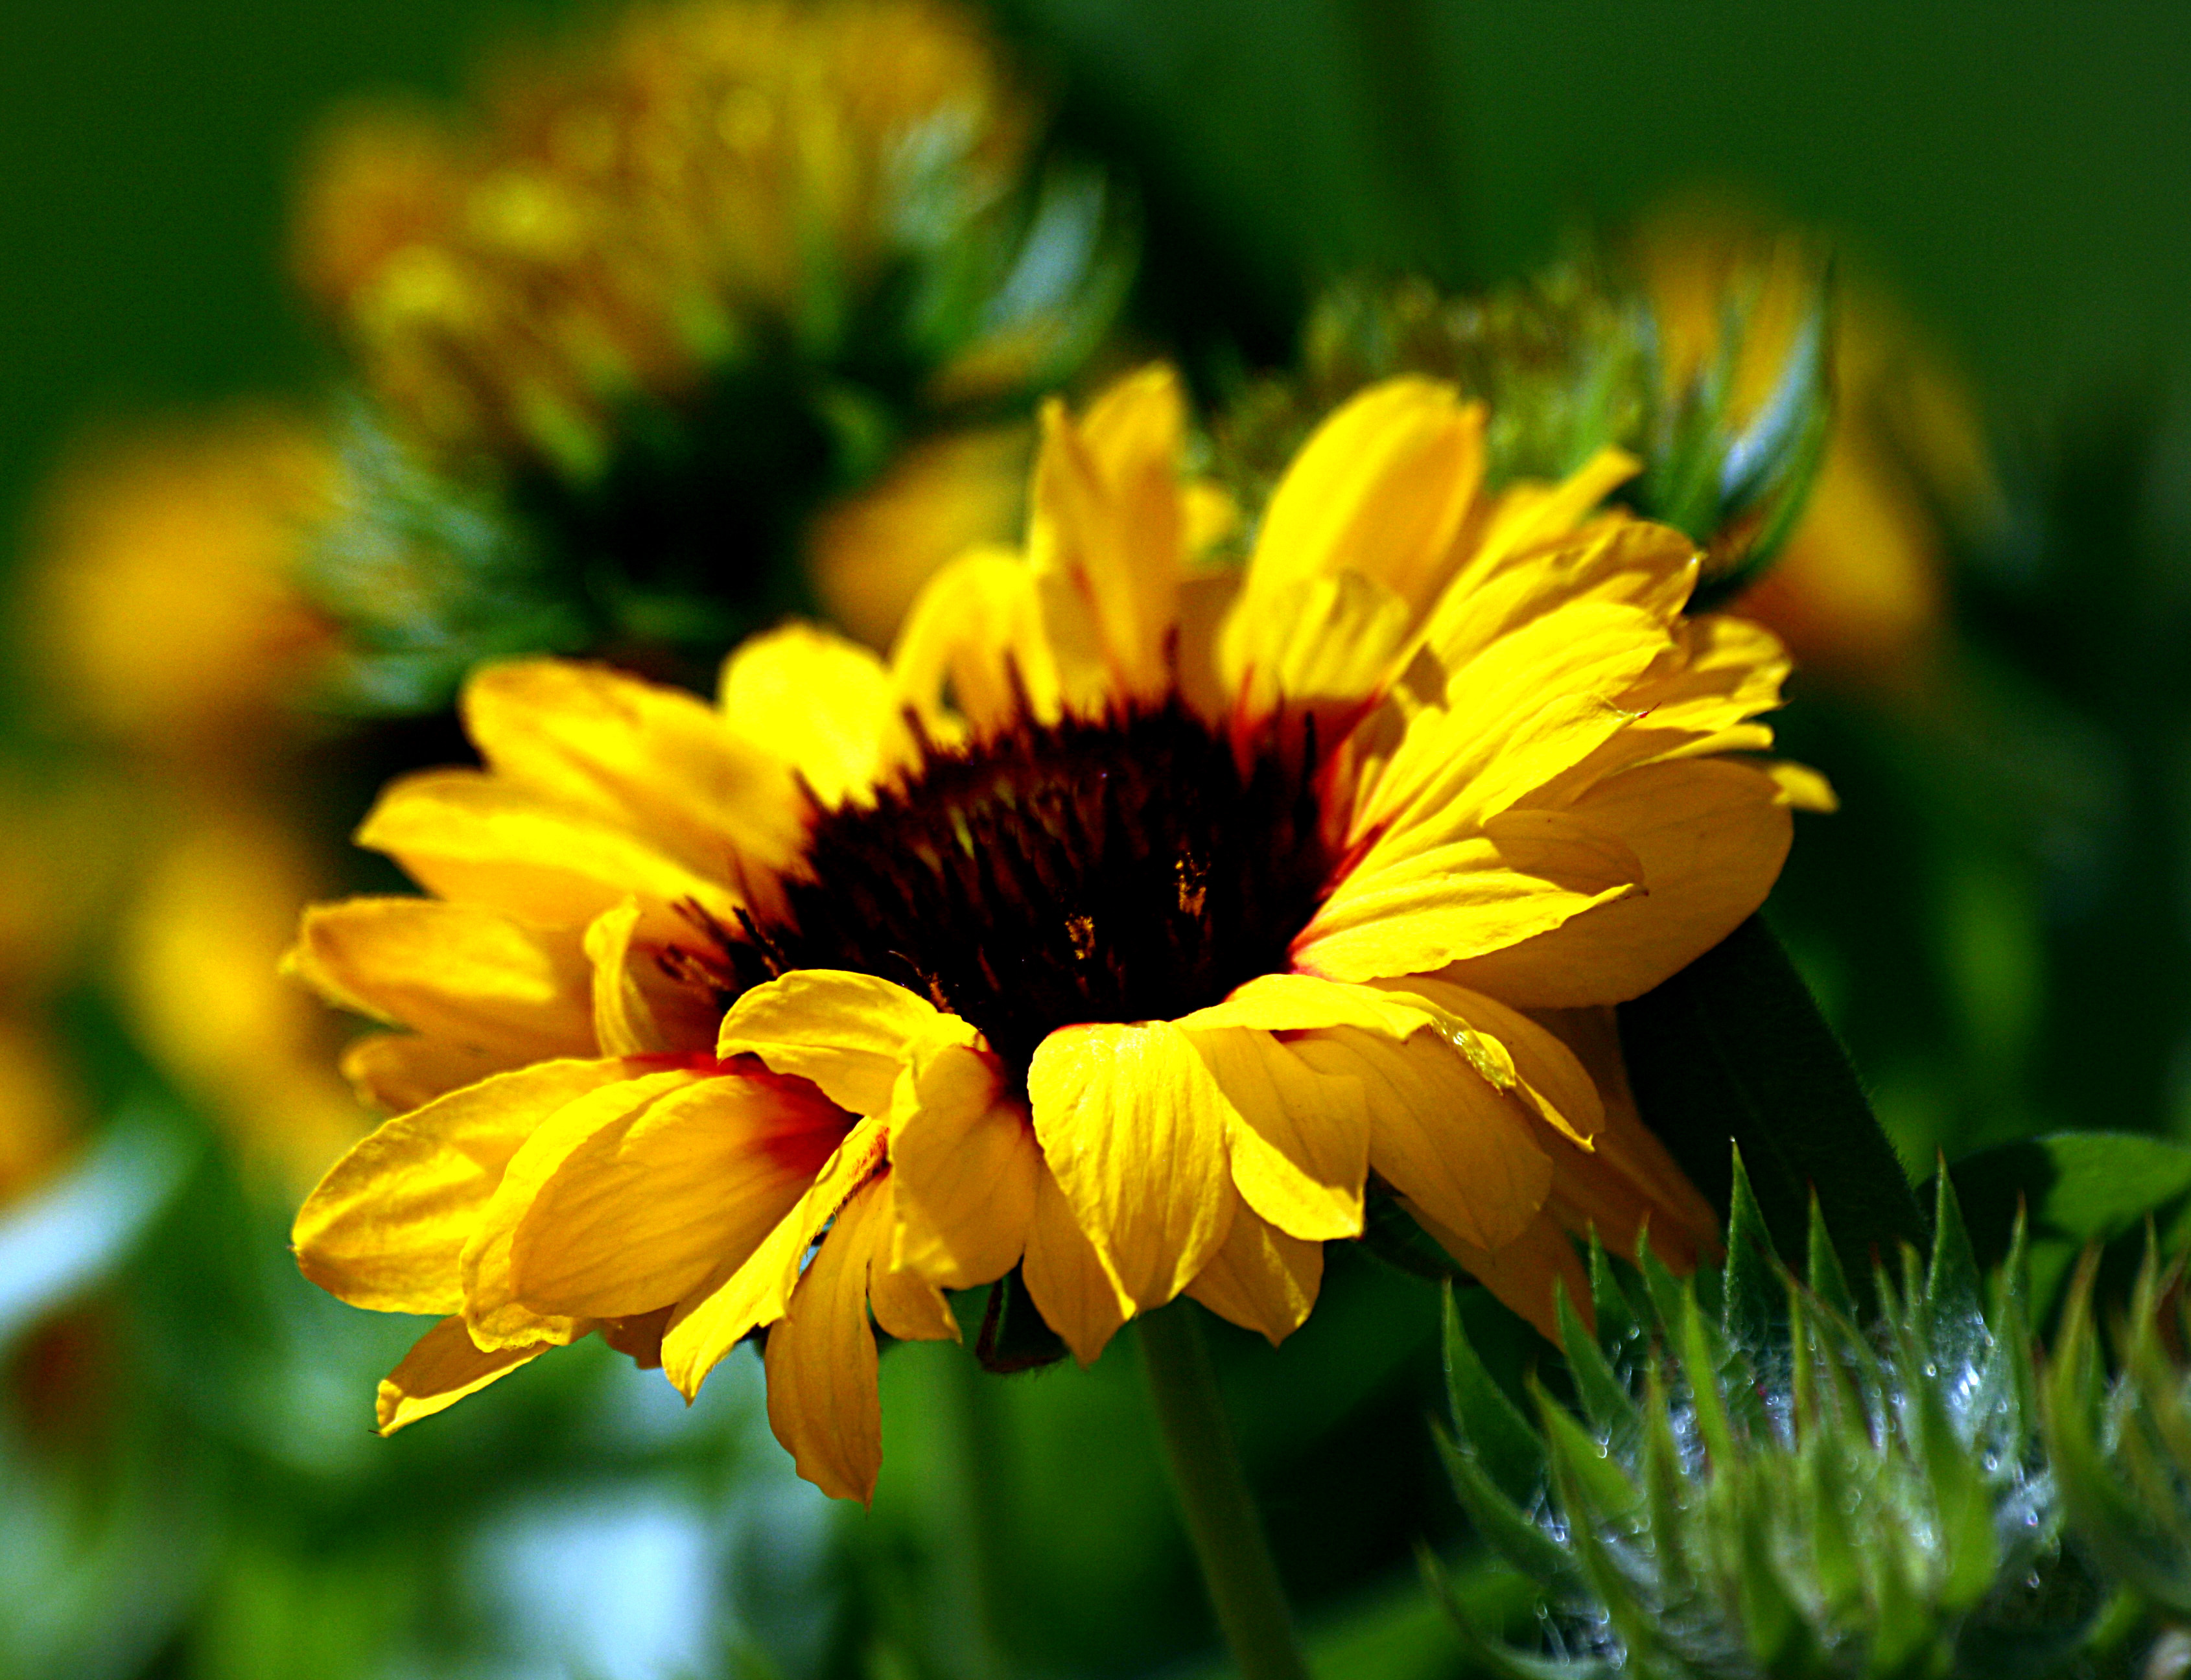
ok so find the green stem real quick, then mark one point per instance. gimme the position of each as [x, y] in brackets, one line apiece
[1221, 1514]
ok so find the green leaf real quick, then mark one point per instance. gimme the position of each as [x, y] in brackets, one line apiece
[1733, 1050]
[1492, 1429]
[2078, 1187]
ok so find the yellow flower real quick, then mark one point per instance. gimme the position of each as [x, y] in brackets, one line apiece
[1858, 590]
[709, 179]
[165, 590]
[1126, 928]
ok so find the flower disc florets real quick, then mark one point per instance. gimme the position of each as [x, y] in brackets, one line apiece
[1126, 868]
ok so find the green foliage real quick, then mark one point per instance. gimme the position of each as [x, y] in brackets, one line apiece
[1734, 1049]
[2071, 1190]
[2121, 1448]
[1751, 1480]
[1568, 363]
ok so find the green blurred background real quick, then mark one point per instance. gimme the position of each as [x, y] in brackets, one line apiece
[1998, 921]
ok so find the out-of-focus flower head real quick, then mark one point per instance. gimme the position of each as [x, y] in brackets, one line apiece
[163, 590]
[58, 852]
[666, 291]
[1858, 584]
[1141, 925]
[174, 631]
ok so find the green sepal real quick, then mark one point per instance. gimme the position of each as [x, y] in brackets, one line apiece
[1491, 1427]
[1598, 1386]
[1755, 1298]
[1822, 1269]
[1504, 1527]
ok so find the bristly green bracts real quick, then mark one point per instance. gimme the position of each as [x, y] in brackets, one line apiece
[1745, 1480]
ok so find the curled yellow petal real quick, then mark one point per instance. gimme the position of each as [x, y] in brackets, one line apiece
[386, 1227]
[1299, 1139]
[1438, 1133]
[963, 1166]
[443, 1366]
[643, 1210]
[823, 705]
[737, 1298]
[1262, 1280]
[851, 1034]
[495, 1309]
[822, 1400]
[1134, 1127]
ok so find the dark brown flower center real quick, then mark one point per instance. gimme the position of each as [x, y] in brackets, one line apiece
[1124, 869]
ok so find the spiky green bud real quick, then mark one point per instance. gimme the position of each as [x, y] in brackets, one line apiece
[1746, 1481]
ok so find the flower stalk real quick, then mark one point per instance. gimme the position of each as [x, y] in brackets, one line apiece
[1221, 1513]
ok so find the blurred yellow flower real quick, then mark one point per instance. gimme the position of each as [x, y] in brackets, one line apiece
[712, 178]
[57, 857]
[165, 595]
[1858, 588]
[172, 627]
[870, 553]
[1125, 929]
[199, 947]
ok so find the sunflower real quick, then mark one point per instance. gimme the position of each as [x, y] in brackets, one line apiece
[1135, 923]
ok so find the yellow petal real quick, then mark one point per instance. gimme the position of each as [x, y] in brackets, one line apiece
[1286, 1003]
[468, 836]
[458, 972]
[822, 1400]
[710, 1321]
[963, 1166]
[1438, 1133]
[1380, 490]
[975, 642]
[1262, 1280]
[1528, 707]
[494, 1311]
[1711, 835]
[398, 1071]
[1802, 787]
[821, 704]
[644, 1210]
[386, 1227]
[851, 1034]
[1530, 515]
[652, 759]
[638, 1008]
[907, 1305]
[1134, 1127]
[1107, 517]
[1072, 1285]
[1299, 1139]
[1514, 1054]
[441, 1367]
[1319, 644]
[1460, 899]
